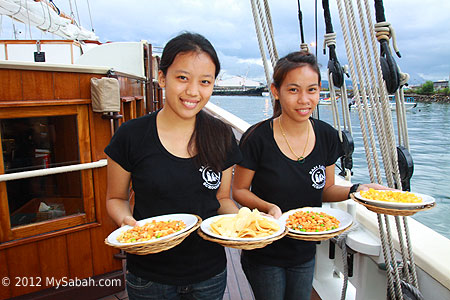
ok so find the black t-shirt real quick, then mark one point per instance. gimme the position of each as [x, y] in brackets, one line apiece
[288, 183]
[165, 184]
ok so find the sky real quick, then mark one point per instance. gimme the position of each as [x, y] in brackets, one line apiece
[422, 29]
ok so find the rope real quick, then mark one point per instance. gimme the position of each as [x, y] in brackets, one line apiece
[375, 101]
[90, 16]
[329, 39]
[341, 241]
[78, 14]
[260, 44]
[384, 31]
[270, 47]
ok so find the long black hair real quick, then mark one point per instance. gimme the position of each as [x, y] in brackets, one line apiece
[286, 64]
[283, 66]
[211, 138]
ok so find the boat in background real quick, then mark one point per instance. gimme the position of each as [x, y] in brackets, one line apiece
[410, 103]
[325, 98]
[238, 86]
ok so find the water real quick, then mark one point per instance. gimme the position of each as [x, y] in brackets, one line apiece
[429, 138]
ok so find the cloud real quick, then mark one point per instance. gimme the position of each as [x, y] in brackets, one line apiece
[422, 29]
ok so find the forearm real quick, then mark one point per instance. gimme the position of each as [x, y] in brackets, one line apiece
[335, 193]
[246, 198]
[227, 206]
[118, 210]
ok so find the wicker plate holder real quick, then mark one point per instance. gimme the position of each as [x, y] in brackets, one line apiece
[155, 247]
[316, 237]
[393, 211]
[244, 245]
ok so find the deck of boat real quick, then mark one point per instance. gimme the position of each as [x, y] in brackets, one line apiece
[238, 287]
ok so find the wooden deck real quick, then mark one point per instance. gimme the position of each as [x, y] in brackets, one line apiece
[238, 287]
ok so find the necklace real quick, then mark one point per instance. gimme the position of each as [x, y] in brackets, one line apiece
[300, 159]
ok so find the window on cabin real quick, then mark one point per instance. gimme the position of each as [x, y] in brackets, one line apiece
[41, 143]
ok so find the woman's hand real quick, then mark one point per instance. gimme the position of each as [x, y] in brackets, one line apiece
[274, 211]
[128, 220]
[375, 186]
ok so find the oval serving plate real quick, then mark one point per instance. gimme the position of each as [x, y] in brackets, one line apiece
[188, 219]
[206, 228]
[426, 200]
[344, 218]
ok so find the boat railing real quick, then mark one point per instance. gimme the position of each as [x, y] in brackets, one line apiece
[51, 171]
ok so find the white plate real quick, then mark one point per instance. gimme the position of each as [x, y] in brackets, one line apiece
[206, 228]
[344, 218]
[425, 201]
[188, 219]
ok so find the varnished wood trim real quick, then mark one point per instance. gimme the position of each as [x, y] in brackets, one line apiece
[29, 230]
[127, 99]
[21, 42]
[15, 112]
[5, 225]
[48, 235]
[26, 103]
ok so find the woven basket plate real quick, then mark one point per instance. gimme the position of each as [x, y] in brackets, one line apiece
[244, 245]
[426, 201]
[345, 220]
[161, 244]
[393, 211]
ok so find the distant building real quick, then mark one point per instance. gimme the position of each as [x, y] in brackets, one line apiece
[440, 84]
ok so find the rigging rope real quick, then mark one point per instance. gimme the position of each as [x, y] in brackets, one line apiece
[259, 21]
[371, 96]
[90, 16]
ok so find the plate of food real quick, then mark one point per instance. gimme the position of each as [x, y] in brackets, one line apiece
[244, 226]
[316, 220]
[152, 230]
[394, 198]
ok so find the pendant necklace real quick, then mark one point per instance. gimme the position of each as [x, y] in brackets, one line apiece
[300, 159]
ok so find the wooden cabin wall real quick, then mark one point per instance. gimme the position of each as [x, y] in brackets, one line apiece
[78, 251]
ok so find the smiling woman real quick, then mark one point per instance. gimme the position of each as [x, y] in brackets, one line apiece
[179, 159]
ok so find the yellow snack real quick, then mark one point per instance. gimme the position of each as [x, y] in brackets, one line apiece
[246, 224]
[391, 196]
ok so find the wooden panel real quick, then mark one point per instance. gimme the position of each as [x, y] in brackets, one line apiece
[103, 255]
[79, 254]
[53, 258]
[5, 291]
[43, 236]
[100, 135]
[37, 85]
[5, 226]
[17, 112]
[10, 89]
[67, 86]
[22, 262]
[48, 226]
[85, 85]
[42, 103]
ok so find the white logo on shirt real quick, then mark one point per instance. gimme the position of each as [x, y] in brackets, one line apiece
[318, 177]
[211, 179]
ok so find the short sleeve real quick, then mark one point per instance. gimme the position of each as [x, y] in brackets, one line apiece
[334, 146]
[234, 156]
[118, 148]
[250, 146]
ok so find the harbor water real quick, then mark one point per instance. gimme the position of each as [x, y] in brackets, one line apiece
[429, 139]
